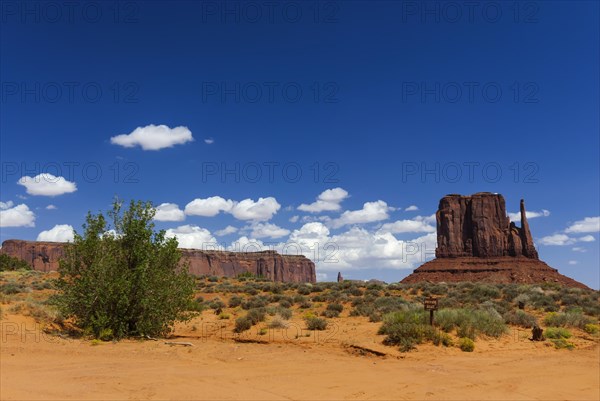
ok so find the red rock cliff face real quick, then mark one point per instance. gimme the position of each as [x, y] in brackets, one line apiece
[477, 226]
[477, 242]
[44, 256]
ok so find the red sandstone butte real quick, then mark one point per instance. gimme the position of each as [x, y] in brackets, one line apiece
[44, 256]
[476, 241]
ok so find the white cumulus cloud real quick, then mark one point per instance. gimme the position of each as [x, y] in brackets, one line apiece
[208, 207]
[587, 238]
[371, 212]
[268, 230]
[47, 185]
[587, 225]
[261, 210]
[564, 239]
[51, 207]
[153, 137]
[193, 237]
[556, 240]
[169, 212]
[572, 262]
[411, 208]
[516, 217]
[58, 233]
[407, 226]
[358, 248]
[6, 205]
[327, 201]
[16, 216]
[226, 231]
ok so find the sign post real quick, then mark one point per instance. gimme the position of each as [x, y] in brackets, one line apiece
[431, 304]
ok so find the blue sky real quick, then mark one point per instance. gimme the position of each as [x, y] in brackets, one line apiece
[344, 114]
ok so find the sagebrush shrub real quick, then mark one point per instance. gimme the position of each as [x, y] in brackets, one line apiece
[242, 324]
[315, 323]
[520, 318]
[573, 318]
[466, 344]
[557, 332]
[406, 329]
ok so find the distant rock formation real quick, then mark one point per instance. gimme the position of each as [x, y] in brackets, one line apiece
[340, 278]
[476, 241]
[44, 256]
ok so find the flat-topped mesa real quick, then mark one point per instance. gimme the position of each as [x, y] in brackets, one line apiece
[478, 226]
[44, 256]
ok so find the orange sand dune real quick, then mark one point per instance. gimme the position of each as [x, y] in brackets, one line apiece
[35, 366]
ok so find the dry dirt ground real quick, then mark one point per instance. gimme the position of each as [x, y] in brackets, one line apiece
[340, 363]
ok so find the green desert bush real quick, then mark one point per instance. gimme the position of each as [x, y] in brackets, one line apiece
[304, 290]
[315, 323]
[574, 318]
[258, 301]
[256, 315]
[235, 301]
[591, 328]
[277, 323]
[471, 322]
[557, 332]
[12, 287]
[561, 343]
[441, 338]
[520, 318]
[333, 310]
[216, 303]
[129, 282]
[466, 344]
[242, 324]
[285, 313]
[406, 329]
[9, 263]
[305, 304]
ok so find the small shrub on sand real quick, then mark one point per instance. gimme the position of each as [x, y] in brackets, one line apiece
[13, 287]
[441, 338]
[466, 344]
[224, 316]
[315, 323]
[242, 324]
[277, 323]
[278, 310]
[105, 335]
[574, 318]
[591, 328]
[235, 301]
[406, 329]
[256, 315]
[333, 310]
[557, 332]
[561, 343]
[471, 322]
[9, 263]
[520, 318]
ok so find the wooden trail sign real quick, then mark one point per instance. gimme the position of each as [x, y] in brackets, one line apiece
[430, 304]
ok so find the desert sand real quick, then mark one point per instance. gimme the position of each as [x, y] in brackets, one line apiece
[329, 365]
